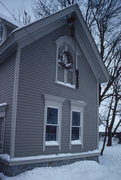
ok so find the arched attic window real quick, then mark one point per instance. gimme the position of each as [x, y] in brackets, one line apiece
[65, 61]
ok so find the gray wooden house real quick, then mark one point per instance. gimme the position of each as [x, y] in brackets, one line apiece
[50, 72]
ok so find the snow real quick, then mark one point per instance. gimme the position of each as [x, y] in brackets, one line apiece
[51, 143]
[9, 19]
[3, 104]
[109, 168]
[7, 157]
[66, 84]
[76, 142]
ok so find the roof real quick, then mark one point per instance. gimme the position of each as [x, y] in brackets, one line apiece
[43, 26]
[9, 20]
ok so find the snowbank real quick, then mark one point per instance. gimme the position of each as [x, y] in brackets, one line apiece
[109, 168]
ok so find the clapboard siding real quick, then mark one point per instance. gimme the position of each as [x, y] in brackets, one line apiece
[7, 69]
[37, 76]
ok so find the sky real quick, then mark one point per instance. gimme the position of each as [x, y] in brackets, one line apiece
[14, 5]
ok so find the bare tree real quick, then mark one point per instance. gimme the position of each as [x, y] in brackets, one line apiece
[107, 124]
[43, 8]
[115, 108]
[22, 17]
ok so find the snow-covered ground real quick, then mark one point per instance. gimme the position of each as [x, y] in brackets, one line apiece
[109, 168]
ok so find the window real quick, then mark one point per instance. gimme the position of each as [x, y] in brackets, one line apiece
[1, 133]
[52, 119]
[65, 62]
[52, 124]
[76, 126]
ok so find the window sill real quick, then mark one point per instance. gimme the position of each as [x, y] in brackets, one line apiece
[66, 84]
[51, 143]
[76, 142]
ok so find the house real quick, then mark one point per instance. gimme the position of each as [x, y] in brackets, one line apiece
[50, 72]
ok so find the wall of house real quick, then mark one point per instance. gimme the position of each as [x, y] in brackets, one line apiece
[7, 69]
[37, 76]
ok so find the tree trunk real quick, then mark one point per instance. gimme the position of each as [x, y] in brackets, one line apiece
[109, 143]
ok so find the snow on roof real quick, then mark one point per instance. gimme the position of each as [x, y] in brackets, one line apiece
[10, 20]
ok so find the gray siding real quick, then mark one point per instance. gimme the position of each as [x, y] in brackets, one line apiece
[7, 69]
[37, 76]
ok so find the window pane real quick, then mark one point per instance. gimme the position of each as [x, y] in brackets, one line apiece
[76, 118]
[75, 133]
[51, 132]
[52, 116]
[70, 77]
[60, 74]
[61, 49]
[1, 128]
[1, 31]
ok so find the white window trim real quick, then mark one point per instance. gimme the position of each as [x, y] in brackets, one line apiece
[77, 106]
[54, 102]
[79, 141]
[65, 39]
[2, 115]
[2, 132]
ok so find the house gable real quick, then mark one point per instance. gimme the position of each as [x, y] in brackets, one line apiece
[42, 27]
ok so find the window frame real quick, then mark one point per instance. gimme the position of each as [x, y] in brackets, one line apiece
[80, 126]
[77, 106]
[2, 115]
[57, 125]
[53, 102]
[66, 41]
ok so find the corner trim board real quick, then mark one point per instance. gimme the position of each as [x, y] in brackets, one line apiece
[14, 109]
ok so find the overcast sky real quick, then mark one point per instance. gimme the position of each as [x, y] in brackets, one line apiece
[14, 5]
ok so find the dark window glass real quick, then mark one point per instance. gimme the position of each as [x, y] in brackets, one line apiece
[51, 133]
[70, 76]
[52, 116]
[75, 133]
[60, 74]
[75, 118]
[1, 129]
[1, 31]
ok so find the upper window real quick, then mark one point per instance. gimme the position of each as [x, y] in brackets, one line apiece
[65, 62]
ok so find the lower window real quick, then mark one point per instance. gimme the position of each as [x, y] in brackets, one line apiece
[52, 121]
[76, 126]
[52, 124]
[1, 133]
